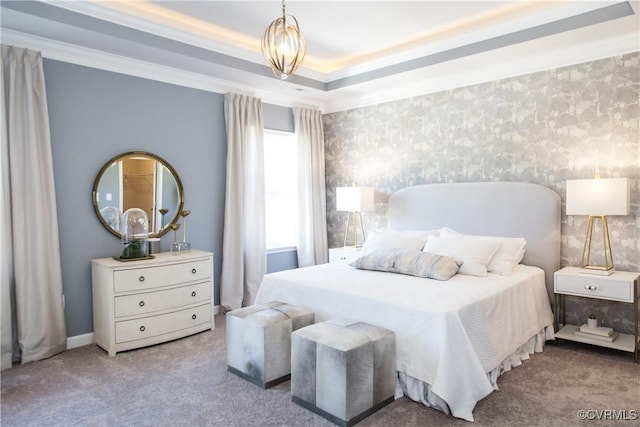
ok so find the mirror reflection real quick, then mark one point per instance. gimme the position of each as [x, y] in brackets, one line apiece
[138, 180]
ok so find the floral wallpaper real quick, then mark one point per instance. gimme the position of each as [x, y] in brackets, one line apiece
[545, 128]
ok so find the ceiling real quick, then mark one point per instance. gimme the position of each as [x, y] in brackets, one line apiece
[359, 52]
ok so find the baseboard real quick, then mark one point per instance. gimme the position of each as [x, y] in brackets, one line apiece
[79, 340]
[86, 339]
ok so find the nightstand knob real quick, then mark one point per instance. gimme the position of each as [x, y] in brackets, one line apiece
[193, 294]
[141, 278]
[194, 317]
[142, 328]
[193, 271]
[141, 303]
[591, 287]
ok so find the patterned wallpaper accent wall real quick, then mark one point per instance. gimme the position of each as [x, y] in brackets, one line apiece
[545, 128]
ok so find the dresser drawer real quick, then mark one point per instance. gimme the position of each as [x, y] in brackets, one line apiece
[131, 330]
[145, 278]
[149, 302]
[595, 287]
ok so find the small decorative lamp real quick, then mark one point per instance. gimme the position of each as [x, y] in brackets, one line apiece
[598, 198]
[354, 200]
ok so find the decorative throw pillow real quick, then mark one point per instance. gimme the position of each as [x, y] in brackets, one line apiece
[407, 261]
[398, 239]
[508, 255]
[475, 254]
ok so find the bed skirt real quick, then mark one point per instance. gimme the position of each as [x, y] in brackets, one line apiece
[420, 391]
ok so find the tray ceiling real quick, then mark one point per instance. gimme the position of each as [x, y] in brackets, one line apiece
[359, 52]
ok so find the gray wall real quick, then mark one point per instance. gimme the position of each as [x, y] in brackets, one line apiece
[545, 127]
[95, 115]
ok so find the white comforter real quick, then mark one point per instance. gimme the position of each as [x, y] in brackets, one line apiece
[449, 334]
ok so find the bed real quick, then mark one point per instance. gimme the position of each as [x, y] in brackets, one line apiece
[454, 337]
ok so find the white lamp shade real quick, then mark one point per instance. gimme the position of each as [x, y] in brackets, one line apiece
[354, 199]
[604, 196]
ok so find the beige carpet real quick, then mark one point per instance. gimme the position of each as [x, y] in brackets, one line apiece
[185, 383]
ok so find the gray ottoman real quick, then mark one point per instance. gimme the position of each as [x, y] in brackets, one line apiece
[343, 369]
[259, 341]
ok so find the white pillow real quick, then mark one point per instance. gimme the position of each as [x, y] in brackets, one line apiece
[414, 240]
[508, 255]
[407, 261]
[475, 254]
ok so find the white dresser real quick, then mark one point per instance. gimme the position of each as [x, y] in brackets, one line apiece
[145, 302]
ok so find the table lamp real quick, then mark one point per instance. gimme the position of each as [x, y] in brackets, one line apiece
[598, 198]
[354, 200]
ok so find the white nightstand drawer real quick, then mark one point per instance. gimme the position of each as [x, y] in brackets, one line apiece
[131, 330]
[618, 286]
[145, 278]
[128, 305]
[595, 287]
[345, 253]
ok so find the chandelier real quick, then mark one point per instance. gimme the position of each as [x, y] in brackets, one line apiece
[283, 45]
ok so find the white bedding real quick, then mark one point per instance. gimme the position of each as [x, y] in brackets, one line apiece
[452, 335]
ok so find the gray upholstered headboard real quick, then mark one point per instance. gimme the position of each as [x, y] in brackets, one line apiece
[509, 209]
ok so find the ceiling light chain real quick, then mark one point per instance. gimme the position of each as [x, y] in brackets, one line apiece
[283, 45]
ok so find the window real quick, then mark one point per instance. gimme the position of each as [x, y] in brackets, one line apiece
[281, 188]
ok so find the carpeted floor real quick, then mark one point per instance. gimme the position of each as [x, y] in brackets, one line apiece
[186, 383]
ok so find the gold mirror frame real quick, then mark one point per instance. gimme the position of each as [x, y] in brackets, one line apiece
[160, 164]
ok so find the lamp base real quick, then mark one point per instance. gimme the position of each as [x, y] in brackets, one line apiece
[586, 267]
[597, 271]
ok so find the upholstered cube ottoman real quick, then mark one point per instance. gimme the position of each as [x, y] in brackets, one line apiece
[259, 341]
[343, 369]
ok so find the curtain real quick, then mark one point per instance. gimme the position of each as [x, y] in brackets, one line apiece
[312, 212]
[244, 254]
[30, 248]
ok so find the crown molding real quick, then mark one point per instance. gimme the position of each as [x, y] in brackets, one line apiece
[240, 47]
[543, 16]
[482, 69]
[243, 49]
[78, 55]
[405, 85]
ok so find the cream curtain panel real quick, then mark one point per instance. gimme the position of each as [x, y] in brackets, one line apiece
[244, 254]
[30, 251]
[312, 213]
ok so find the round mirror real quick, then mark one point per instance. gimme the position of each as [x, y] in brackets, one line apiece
[138, 180]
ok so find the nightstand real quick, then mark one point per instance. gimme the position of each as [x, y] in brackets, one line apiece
[344, 253]
[621, 286]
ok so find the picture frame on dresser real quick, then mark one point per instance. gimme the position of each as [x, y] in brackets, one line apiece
[147, 302]
[621, 286]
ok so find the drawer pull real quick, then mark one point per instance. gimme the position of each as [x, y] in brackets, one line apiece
[193, 294]
[590, 287]
[193, 316]
[141, 303]
[193, 271]
[142, 328]
[141, 278]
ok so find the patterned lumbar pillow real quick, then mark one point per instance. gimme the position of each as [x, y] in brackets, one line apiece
[407, 261]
